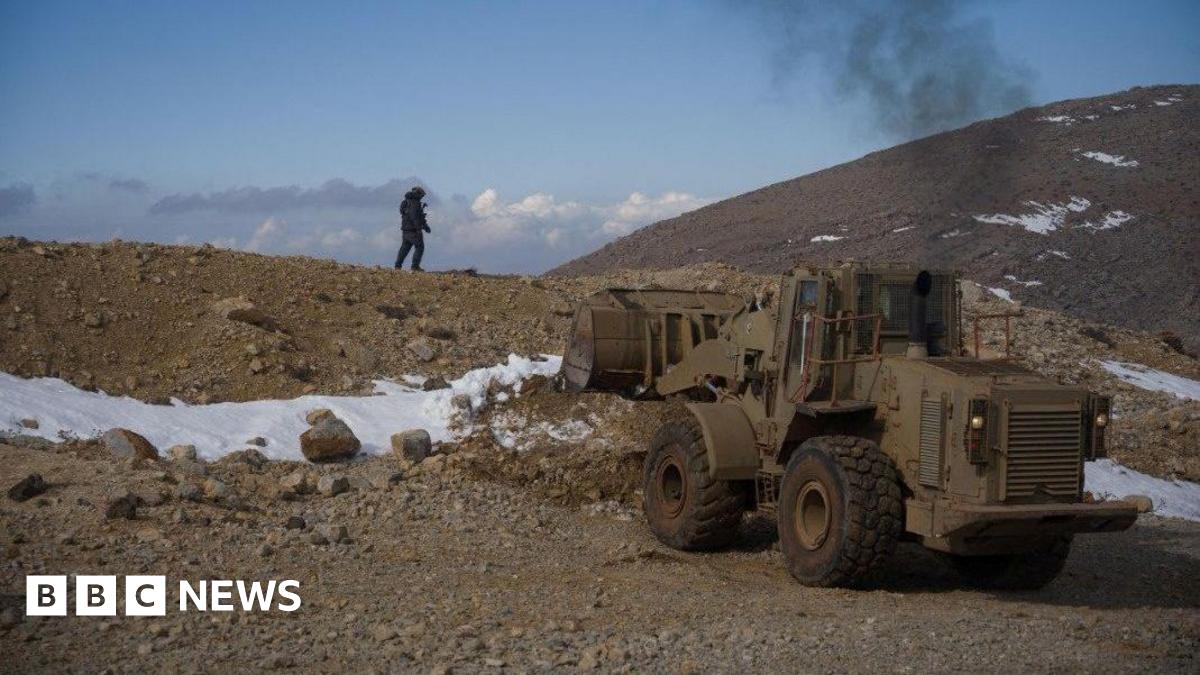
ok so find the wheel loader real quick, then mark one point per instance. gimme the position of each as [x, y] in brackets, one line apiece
[846, 404]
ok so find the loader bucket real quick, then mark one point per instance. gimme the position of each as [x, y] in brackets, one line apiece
[622, 339]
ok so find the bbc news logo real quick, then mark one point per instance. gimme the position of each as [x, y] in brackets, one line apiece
[146, 595]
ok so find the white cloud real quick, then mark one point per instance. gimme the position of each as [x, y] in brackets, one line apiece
[541, 220]
[266, 232]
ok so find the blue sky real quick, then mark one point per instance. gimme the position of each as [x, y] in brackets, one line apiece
[524, 119]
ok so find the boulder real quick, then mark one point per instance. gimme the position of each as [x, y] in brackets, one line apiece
[122, 507]
[30, 423]
[421, 349]
[182, 453]
[1143, 503]
[413, 445]
[315, 416]
[28, 488]
[125, 443]
[224, 307]
[329, 440]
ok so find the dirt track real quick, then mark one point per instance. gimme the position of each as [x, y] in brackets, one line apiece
[444, 571]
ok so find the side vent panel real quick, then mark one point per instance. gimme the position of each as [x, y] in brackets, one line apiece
[931, 444]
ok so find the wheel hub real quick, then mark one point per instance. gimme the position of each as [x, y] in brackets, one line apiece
[670, 483]
[812, 515]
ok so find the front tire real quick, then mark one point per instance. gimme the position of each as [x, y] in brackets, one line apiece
[686, 508]
[839, 510]
[1027, 571]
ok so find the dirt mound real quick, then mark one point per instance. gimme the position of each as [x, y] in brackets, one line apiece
[205, 324]
[1087, 206]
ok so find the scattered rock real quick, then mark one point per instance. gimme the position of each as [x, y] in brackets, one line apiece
[295, 523]
[30, 423]
[1143, 503]
[434, 383]
[382, 632]
[413, 445]
[189, 492]
[122, 507]
[314, 417]
[336, 534]
[258, 441]
[257, 366]
[125, 443]
[250, 457]
[331, 486]
[318, 539]
[182, 453]
[27, 488]
[329, 440]
[421, 349]
[215, 489]
[297, 482]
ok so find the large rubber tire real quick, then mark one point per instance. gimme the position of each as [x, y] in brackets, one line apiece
[1015, 572]
[686, 508]
[839, 510]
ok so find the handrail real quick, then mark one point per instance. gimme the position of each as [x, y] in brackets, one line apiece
[806, 359]
[1008, 317]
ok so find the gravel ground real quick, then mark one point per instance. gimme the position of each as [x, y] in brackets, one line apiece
[443, 572]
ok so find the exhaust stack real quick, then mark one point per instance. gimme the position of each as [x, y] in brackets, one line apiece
[918, 323]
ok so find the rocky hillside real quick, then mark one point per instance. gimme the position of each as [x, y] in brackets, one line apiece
[1088, 206]
[204, 325]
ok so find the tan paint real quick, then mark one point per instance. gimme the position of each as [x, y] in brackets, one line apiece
[770, 372]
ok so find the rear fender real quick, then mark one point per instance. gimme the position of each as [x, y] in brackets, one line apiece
[728, 440]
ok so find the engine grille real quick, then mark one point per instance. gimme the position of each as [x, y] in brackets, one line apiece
[1043, 453]
[931, 444]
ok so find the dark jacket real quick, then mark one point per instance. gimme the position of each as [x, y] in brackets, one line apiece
[412, 213]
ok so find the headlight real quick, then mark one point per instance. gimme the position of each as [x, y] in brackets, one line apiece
[1101, 420]
[977, 422]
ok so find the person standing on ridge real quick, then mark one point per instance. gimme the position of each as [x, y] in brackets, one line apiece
[412, 228]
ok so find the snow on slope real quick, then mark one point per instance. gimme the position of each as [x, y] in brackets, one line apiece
[1154, 380]
[1106, 479]
[220, 428]
[1115, 160]
[1043, 219]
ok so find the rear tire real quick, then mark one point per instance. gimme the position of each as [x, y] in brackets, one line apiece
[686, 508]
[839, 510]
[1015, 572]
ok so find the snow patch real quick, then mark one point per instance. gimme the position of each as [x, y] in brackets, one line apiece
[1106, 479]
[1057, 119]
[1091, 118]
[1111, 221]
[1023, 283]
[1119, 108]
[826, 237]
[1002, 293]
[1053, 252]
[1115, 160]
[952, 233]
[1044, 218]
[903, 229]
[1148, 378]
[514, 431]
[63, 411]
